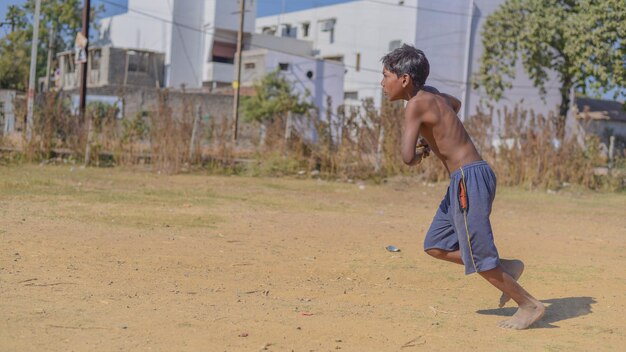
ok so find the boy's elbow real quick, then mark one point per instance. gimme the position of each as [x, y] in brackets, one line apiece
[408, 160]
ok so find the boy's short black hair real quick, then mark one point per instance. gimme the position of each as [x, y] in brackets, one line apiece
[408, 60]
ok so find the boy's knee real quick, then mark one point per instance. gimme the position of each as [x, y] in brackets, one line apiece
[434, 252]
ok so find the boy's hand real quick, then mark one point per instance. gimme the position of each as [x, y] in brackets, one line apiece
[422, 150]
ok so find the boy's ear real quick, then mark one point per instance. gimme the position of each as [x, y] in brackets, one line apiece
[405, 80]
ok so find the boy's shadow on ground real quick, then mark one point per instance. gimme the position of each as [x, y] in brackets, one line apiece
[557, 309]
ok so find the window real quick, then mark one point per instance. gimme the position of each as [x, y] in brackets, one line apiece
[351, 95]
[305, 29]
[329, 26]
[224, 52]
[70, 63]
[249, 65]
[338, 58]
[95, 59]
[288, 31]
[283, 66]
[269, 30]
[137, 62]
[394, 44]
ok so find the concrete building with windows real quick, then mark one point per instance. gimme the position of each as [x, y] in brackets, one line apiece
[199, 41]
[198, 38]
[358, 33]
[314, 79]
[603, 118]
[109, 66]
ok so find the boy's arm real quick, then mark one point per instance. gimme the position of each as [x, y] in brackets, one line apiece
[410, 135]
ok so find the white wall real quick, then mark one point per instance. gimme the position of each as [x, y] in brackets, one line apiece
[442, 33]
[188, 43]
[362, 27]
[327, 79]
[226, 14]
[438, 27]
[6, 98]
[135, 30]
[286, 45]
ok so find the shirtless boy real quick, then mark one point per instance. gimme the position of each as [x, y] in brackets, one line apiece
[460, 232]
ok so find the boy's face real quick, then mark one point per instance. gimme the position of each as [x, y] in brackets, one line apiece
[393, 86]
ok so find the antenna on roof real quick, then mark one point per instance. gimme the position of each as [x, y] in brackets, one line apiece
[282, 11]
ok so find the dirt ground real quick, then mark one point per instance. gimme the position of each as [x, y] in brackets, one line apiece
[122, 260]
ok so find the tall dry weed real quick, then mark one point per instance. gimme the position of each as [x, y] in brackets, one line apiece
[358, 142]
[528, 151]
[169, 135]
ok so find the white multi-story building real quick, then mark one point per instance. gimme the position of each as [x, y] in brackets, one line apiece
[359, 33]
[199, 38]
[314, 79]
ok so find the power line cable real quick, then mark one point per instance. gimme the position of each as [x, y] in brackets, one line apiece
[419, 8]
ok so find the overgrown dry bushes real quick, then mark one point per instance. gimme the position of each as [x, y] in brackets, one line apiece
[169, 135]
[161, 136]
[530, 154]
[522, 147]
[368, 144]
[55, 130]
[358, 143]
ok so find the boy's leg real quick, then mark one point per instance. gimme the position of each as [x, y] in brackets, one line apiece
[530, 309]
[504, 277]
[513, 267]
[450, 256]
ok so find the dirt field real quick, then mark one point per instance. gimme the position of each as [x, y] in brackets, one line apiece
[114, 260]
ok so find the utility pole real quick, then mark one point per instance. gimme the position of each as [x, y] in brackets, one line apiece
[32, 74]
[50, 53]
[83, 80]
[83, 66]
[467, 85]
[236, 84]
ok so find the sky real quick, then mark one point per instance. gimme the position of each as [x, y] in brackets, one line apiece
[263, 8]
[273, 7]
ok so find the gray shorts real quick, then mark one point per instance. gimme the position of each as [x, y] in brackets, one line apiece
[462, 220]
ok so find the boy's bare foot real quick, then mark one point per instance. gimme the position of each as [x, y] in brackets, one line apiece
[525, 316]
[515, 268]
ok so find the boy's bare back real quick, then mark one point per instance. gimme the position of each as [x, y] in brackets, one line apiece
[432, 115]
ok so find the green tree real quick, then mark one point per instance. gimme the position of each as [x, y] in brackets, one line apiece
[66, 19]
[274, 97]
[582, 41]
